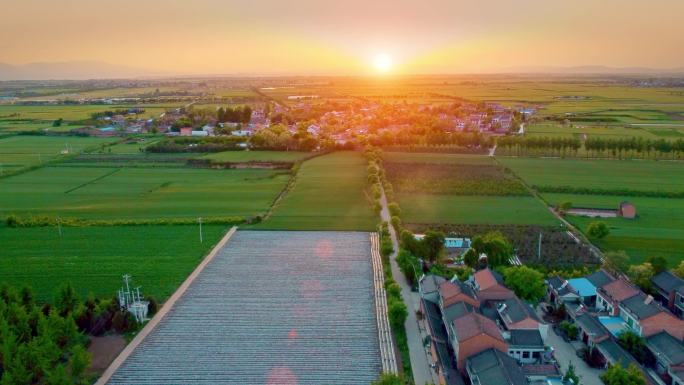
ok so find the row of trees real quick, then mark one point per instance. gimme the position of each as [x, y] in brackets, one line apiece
[593, 146]
[40, 345]
[46, 344]
[278, 137]
[234, 115]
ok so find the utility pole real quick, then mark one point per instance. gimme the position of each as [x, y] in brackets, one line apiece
[59, 228]
[200, 229]
[539, 247]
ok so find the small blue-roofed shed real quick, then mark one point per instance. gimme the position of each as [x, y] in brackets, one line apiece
[583, 287]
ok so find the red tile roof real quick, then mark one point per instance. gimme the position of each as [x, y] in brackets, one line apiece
[473, 325]
[619, 290]
[485, 279]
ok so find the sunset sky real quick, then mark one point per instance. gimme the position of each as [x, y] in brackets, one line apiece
[343, 37]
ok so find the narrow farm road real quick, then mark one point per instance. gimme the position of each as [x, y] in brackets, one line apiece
[420, 364]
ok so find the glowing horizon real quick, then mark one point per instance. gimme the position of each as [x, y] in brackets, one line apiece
[317, 37]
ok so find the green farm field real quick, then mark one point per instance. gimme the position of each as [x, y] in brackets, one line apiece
[329, 194]
[658, 229]
[607, 132]
[140, 192]
[93, 259]
[257, 156]
[493, 210]
[440, 206]
[21, 151]
[437, 158]
[638, 175]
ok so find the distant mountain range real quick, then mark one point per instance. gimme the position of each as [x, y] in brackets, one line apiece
[72, 70]
[81, 70]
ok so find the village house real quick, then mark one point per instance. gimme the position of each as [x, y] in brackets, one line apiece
[591, 331]
[472, 334]
[488, 285]
[643, 315]
[669, 356]
[667, 286]
[517, 315]
[609, 297]
[526, 346]
[494, 367]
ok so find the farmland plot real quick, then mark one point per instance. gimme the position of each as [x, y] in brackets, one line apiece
[310, 296]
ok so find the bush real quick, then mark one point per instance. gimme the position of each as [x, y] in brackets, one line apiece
[394, 209]
[570, 330]
[397, 313]
[152, 306]
[598, 230]
[396, 222]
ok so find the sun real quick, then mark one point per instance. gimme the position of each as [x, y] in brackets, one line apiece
[382, 63]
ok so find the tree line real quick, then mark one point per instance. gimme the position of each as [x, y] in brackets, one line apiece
[594, 146]
[46, 344]
[234, 115]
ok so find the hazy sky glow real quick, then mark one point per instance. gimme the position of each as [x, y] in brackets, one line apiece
[343, 37]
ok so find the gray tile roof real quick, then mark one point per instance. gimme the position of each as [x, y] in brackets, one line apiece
[455, 311]
[637, 305]
[600, 278]
[614, 353]
[666, 347]
[667, 282]
[591, 325]
[493, 367]
[517, 310]
[531, 338]
[430, 283]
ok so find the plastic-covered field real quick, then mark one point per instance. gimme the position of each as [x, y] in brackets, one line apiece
[273, 307]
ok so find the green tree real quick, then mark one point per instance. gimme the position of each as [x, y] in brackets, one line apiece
[526, 282]
[564, 207]
[598, 230]
[471, 258]
[433, 245]
[634, 344]
[394, 209]
[659, 264]
[66, 299]
[495, 245]
[679, 270]
[616, 375]
[616, 260]
[641, 275]
[397, 313]
[570, 375]
[78, 363]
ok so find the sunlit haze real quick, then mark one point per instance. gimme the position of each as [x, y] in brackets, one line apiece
[326, 37]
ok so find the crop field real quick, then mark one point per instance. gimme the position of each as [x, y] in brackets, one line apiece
[29, 118]
[257, 156]
[460, 189]
[607, 132]
[605, 175]
[455, 209]
[24, 151]
[658, 229]
[329, 194]
[140, 192]
[93, 259]
[308, 294]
